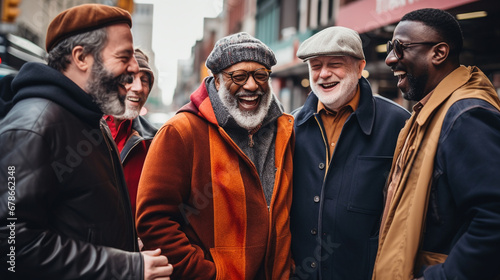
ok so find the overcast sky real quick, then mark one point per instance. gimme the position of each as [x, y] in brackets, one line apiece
[177, 24]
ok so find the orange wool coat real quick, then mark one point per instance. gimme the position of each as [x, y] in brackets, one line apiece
[201, 201]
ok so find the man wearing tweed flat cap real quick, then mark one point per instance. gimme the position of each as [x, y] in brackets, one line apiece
[345, 140]
[72, 211]
[215, 191]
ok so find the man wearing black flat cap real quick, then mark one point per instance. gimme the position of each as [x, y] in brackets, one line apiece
[345, 140]
[62, 191]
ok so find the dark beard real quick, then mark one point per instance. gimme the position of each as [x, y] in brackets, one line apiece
[104, 89]
[416, 89]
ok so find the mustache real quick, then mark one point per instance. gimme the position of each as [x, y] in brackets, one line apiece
[113, 82]
[125, 79]
[243, 92]
[396, 68]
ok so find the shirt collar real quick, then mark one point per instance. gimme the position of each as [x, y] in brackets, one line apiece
[125, 126]
[417, 107]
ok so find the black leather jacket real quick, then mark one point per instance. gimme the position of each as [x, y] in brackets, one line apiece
[69, 204]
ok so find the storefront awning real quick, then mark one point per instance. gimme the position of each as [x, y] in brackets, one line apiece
[367, 15]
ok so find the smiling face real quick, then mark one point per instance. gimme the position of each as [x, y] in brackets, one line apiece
[113, 70]
[136, 96]
[249, 103]
[334, 79]
[414, 70]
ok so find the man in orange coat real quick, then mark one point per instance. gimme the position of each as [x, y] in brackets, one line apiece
[215, 191]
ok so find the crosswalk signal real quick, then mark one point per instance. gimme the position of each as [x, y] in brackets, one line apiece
[126, 5]
[10, 10]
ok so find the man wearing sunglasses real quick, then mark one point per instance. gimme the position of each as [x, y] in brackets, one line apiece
[215, 191]
[345, 139]
[442, 213]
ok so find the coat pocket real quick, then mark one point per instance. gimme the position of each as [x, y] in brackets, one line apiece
[368, 180]
[229, 263]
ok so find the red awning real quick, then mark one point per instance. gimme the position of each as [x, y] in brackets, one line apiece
[366, 15]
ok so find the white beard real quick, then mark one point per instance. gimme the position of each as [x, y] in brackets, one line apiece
[341, 96]
[246, 119]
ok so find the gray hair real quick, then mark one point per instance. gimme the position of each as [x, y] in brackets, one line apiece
[93, 42]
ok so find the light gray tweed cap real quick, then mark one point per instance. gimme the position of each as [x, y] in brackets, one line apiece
[332, 41]
[237, 48]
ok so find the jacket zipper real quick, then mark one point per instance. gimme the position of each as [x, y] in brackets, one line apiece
[245, 157]
[131, 148]
[119, 185]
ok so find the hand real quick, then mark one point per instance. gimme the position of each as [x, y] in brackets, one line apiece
[156, 266]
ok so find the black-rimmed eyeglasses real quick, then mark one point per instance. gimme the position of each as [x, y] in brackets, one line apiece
[240, 77]
[399, 47]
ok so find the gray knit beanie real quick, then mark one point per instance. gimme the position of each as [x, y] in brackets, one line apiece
[237, 48]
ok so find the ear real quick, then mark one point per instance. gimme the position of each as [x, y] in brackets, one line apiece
[217, 81]
[440, 53]
[81, 61]
[361, 66]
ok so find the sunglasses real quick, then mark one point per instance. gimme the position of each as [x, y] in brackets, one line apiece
[240, 77]
[399, 47]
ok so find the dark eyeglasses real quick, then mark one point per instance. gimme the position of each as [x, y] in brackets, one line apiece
[399, 47]
[240, 77]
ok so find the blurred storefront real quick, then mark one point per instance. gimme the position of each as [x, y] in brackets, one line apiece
[284, 24]
[375, 20]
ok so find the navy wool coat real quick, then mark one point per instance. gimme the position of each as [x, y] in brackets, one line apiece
[336, 209]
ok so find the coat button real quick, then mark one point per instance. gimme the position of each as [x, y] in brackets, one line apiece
[314, 231]
[321, 166]
[316, 198]
[313, 264]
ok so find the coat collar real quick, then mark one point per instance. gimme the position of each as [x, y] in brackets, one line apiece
[365, 114]
[145, 129]
[444, 89]
[200, 102]
[142, 130]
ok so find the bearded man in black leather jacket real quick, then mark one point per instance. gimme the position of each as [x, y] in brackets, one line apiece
[64, 207]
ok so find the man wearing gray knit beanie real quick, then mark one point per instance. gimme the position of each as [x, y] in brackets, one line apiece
[215, 191]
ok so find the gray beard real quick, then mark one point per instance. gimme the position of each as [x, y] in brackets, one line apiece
[246, 119]
[103, 88]
[130, 114]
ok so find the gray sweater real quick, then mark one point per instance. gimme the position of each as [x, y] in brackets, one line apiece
[262, 152]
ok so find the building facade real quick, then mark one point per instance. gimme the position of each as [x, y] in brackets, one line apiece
[24, 39]
[284, 24]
